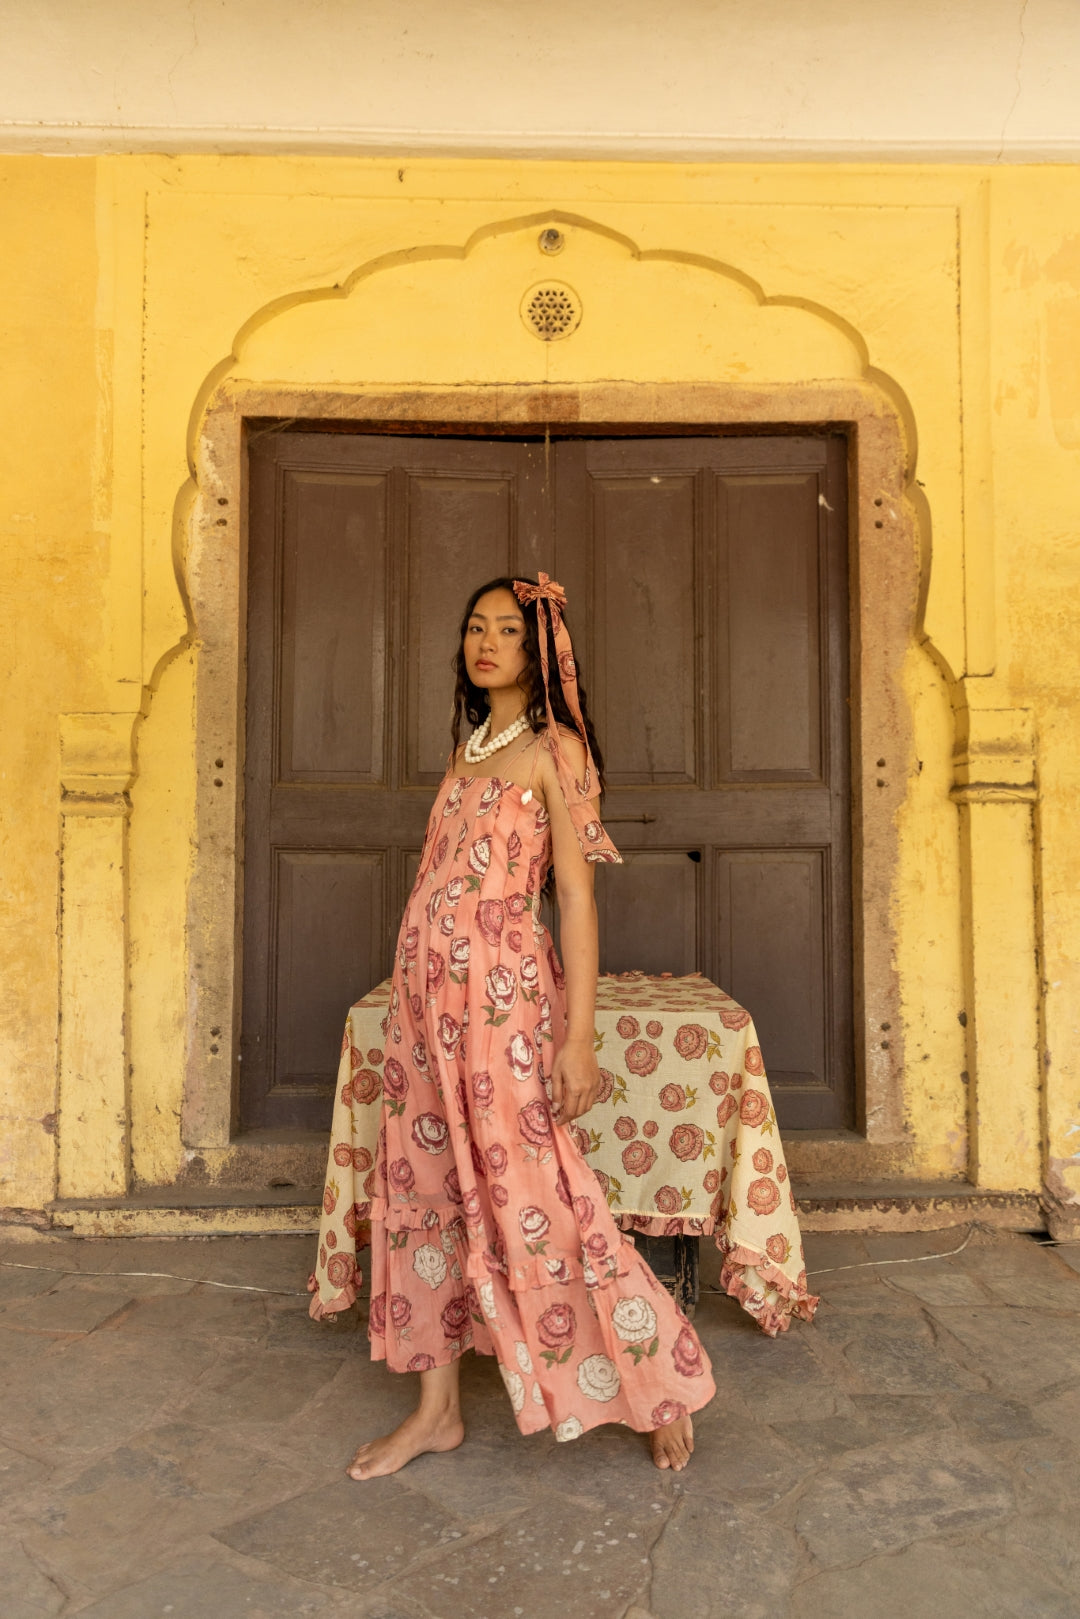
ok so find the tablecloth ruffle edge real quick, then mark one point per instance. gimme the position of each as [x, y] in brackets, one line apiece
[321, 1309]
[762, 1289]
[749, 1276]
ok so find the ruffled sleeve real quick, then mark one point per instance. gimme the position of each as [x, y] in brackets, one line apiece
[596, 846]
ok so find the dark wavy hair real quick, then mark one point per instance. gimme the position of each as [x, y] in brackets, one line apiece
[470, 702]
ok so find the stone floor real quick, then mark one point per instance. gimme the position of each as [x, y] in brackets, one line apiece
[173, 1448]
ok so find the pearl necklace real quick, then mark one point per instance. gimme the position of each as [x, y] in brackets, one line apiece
[478, 748]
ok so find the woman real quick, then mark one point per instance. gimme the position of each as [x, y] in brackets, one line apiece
[492, 1232]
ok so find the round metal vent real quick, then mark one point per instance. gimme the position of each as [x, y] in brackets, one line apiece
[551, 310]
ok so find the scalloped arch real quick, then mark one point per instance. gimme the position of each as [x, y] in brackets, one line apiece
[433, 334]
[442, 314]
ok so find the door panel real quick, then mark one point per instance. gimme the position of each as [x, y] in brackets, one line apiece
[328, 944]
[459, 528]
[707, 580]
[332, 650]
[768, 698]
[649, 915]
[646, 705]
[771, 931]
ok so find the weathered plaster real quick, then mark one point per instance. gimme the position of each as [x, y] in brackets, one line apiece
[178, 294]
[93, 1107]
[53, 573]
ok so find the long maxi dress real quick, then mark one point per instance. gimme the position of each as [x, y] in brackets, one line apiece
[488, 1228]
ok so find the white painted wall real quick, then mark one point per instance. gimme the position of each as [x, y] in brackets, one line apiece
[987, 80]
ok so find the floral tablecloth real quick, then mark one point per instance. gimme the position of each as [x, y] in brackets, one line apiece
[683, 1138]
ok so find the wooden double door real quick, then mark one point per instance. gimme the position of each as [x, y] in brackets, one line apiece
[707, 580]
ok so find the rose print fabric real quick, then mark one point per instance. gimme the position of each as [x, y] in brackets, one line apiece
[684, 1139]
[488, 1228]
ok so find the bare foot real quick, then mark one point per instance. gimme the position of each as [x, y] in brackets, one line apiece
[420, 1432]
[671, 1446]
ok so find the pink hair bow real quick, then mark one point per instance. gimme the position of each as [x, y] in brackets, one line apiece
[548, 590]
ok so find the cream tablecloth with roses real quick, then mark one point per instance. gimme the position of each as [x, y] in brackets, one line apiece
[683, 1138]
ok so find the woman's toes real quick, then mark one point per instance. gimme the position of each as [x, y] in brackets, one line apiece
[663, 1453]
[671, 1446]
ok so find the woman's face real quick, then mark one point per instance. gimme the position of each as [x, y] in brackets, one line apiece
[494, 648]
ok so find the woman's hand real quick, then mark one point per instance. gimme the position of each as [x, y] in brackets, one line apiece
[575, 1081]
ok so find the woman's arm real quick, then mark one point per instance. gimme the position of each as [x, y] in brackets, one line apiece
[575, 1080]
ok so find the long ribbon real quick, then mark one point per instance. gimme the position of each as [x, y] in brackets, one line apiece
[550, 595]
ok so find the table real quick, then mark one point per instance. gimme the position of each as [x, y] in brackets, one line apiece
[683, 1139]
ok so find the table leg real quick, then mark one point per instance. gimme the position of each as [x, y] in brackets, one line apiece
[686, 1273]
[674, 1261]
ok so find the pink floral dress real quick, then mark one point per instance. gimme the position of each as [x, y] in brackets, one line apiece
[489, 1230]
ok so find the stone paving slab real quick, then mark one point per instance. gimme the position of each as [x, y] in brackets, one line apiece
[558, 1557]
[749, 1563]
[25, 1591]
[1017, 1351]
[886, 1496]
[1059, 1413]
[313, 1535]
[162, 1492]
[211, 1585]
[18, 1285]
[65, 1309]
[865, 1420]
[1046, 1541]
[168, 1447]
[933, 1581]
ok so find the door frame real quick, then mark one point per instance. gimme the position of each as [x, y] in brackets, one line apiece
[884, 582]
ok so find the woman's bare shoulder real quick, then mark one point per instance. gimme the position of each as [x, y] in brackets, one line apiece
[573, 747]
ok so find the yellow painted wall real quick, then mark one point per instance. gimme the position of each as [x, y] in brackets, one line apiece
[53, 576]
[134, 286]
[1035, 434]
